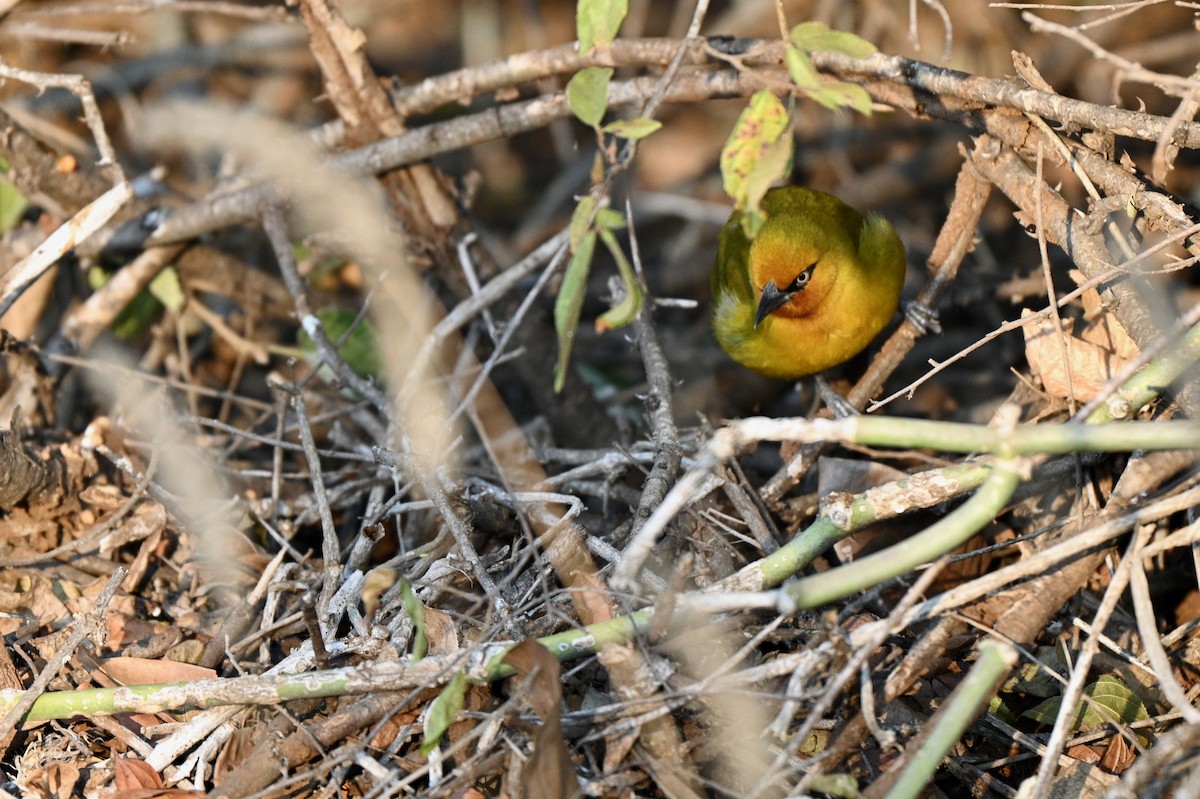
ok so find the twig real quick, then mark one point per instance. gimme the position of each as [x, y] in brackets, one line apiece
[816, 712]
[667, 452]
[1073, 692]
[69, 235]
[330, 547]
[85, 323]
[1147, 623]
[90, 625]
[81, 88]
[1172, 84]
[275, 226]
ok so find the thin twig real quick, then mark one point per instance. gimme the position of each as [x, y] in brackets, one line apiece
[90, 625]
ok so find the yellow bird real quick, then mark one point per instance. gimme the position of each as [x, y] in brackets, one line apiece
[813, 288]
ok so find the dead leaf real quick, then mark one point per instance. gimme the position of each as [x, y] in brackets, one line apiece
[592, 598]
[52, 781]
[1119, 755]
[440, 632]
[548, 772]
[1088, 365]
[1103, 329]
[146, 671]
[377, 581]
[129, 773]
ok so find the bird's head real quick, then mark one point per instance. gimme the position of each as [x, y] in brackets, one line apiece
[792, 272]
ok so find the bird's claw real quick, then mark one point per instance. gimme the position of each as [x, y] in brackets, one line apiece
[922, 317]
[836, 403]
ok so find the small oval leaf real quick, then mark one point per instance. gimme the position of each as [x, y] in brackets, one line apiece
[638, 128]
[610, 219]
[587, 94]
[817, 37]
[597, 22]
[801, 68]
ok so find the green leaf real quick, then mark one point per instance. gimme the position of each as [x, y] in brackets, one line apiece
[630, 305]
[638, 128]
[442, 711]
[840, 95]
[166, 288]
[359, 348]
[1036, 677]
[569, 304]
[817, 37]
[759, 146]
[1112, 701]
[597, 22]
[581, 222]
[801, 68]
[610, 219]
[998, 708]
[587, 94]
[844, 786]
[416, 612]
[12, 206]
[97, 277]
[134, 318]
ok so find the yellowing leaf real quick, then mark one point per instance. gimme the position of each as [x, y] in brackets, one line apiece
[587, 94]
[630, 305]
[760, 145]
[166, 288]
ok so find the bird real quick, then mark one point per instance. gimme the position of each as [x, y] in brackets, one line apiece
[811, 290]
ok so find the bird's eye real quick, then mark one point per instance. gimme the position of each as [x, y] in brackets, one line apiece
[802, 279]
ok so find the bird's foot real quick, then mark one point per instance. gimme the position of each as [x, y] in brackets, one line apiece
[836, 403]
[922, 317]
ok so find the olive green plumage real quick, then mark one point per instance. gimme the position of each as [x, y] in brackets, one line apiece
[814, 287]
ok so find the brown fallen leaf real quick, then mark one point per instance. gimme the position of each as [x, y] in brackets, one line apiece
[1088, 365]
[136, 779]
[1103, 329]
[549, 772]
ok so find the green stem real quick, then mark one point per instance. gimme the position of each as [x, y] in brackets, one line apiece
[969, 699]
[859, 511]
[944, 535]
[1148, 384]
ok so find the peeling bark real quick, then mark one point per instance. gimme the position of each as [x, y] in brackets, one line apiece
[37, 482]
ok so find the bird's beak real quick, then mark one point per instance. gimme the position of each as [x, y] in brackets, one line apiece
[772, 300]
